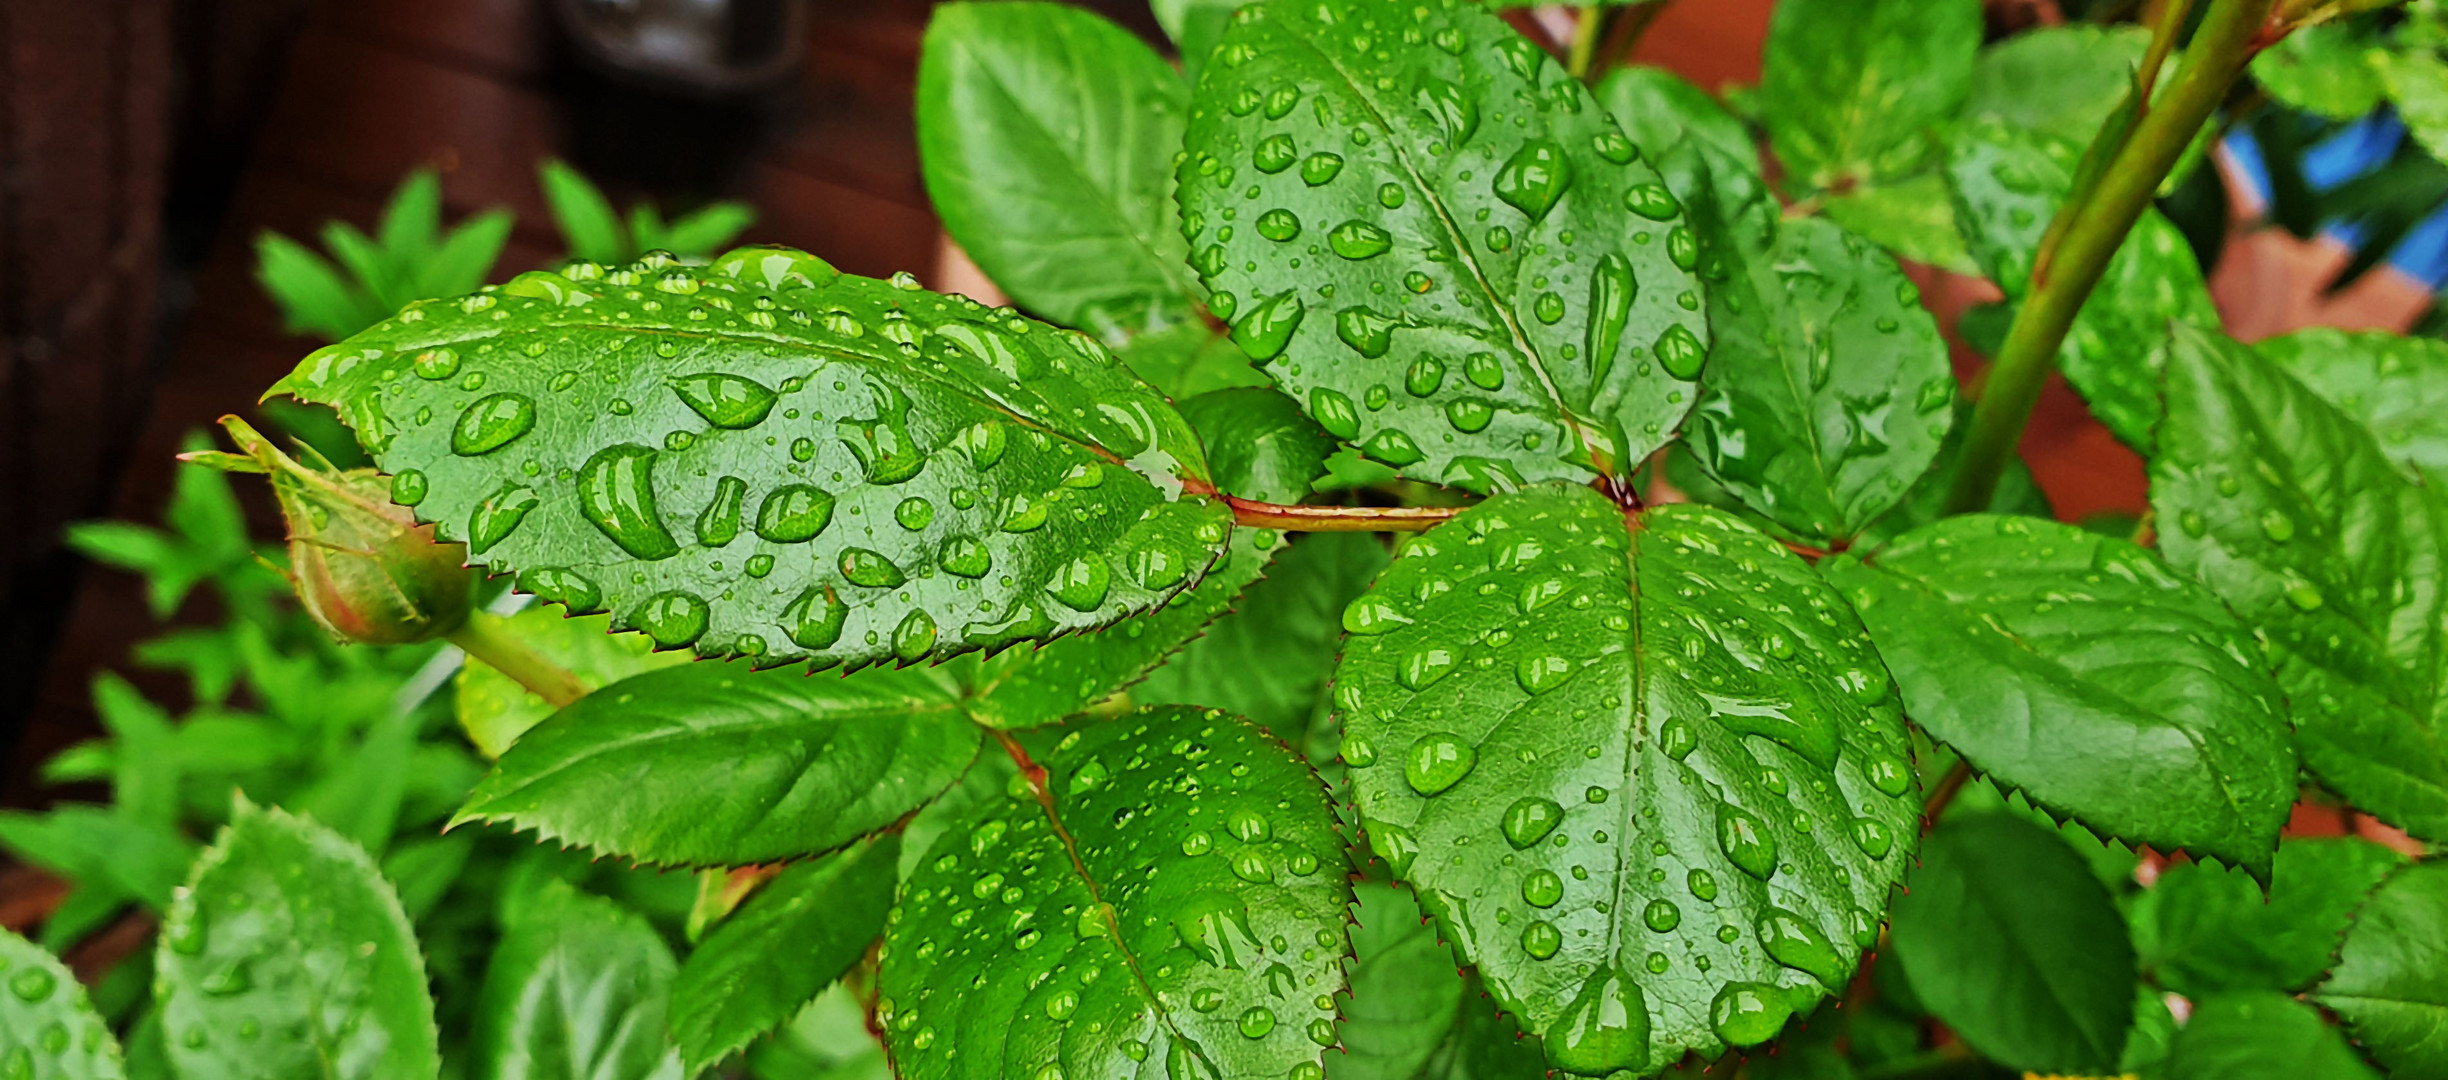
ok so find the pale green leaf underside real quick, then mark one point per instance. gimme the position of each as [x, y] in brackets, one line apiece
[2396, 386]
[1173, 906]
[762, 458]
[2076, 668]
[1851, 88]
[287, 930]
[2387, 981]
[1658, 811]
[578, 989]
[2288, 509]
[1432, 237]
[46, 1018]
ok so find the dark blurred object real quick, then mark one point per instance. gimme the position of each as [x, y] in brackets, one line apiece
[709, 48]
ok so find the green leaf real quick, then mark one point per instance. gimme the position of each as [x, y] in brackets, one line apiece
[712, 765]
[2202, 930]
[413, 217]
[1910, 217]
[577, 990]
[466, 256]
[289, 931]
[2058, 81]
[495, 710]
[2039, 650]
[1188, 359]
[313, 296]
[2259, 1035]
[1402, 269]
[1696, 145]
[1172, 890]
[1828, 390]
[2289, 510]
[2395, 386]
[2387, 980]
[589, 226]
[2417, 81]
[2009, 940]
[1645, 770]
[709, 229]
[2017, 492]
[144, 860]
[779, 950]
[46, 1024]
[1483, 1045]
[1852, 88]
[1269, 659]
[2008, 184]
[2325, 70]
[145, 785]
[1404, 999]
[1195, 26]
[1047, 135]
[1260, 437]
[823, 466]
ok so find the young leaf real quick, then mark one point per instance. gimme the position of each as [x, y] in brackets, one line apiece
[711, 765]
[495, 710]
[1270, 658]
[1404, 998]
[589, 225]
[466, 256]
[1852, 88]
[1592, 741]
[2258, 1035]
[313, 296]
[2289, 510]
[2058, 81]
[779, 950]
[2396, 386]
[2387, 980]
[288, 931]
[1259, 435]
[2007, 184]
[708, 229]
[47, 1026]
[1451, 256]
[1828, 390]
[2201, 930]
[765, 458]
[1910, 217]
[2008, 938]
[2042, 652]
[1047, 136]
[578, 990]
[1170, 889]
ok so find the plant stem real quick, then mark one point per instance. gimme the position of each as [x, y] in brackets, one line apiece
[2096, 226]
[1943, 792]
[486, 637]
[1588, 30]
[1625, 35]
[1263, 515]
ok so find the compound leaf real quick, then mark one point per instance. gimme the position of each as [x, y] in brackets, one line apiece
[2387, 980]
[2078, 669]
[1168, 894]
[2201, 930]
[287, 930]
[798, 934]
[2288, 509]
[2009, 939]
[1852, 88]
[578, 989]
[1646, 770]
[46, 1013]
[2259, 1035]
[2394, 385]
[766, 458]
[1428, 233]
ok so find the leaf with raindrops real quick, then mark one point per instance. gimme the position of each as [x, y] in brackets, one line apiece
[287, 954]
[2396, 386]
[1166, 898]
[47, 1026]
[2387, 979]
[2291, 512]
[2037, 650]
[1850, 90]
[2008, 183]
[1644, 768]
[1429, 234]
[766, 458]
[579, 987]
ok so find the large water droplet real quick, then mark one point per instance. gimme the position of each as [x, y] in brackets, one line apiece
[1605, 1028]
[1530, 819]
[1611, 292]
[1081, 584]
[1469, 414]
[1357, 239]
[1745, 841]
[408, 488]
[915, 637]
[883, 444]
[673, 618]
[1662, 916]
[1540, 674]
[1334, 412]
[1680, 352]
[1541, 940]
[435, 364]
[2276, 525]
[1797, 944]
[1367, 332]
[723, 399]
[1873, 837]
[1267, 329]
[1275, 153]
[1425, 376]
[1437, 762]
[719, 522]
[616, 495]
[967, 556]
[1319, 168]
[492, 423]
[563, 587]
[1369, 615]
[794, 513]
[873, 569]
[815, 619]
[1393, 448]
[1651, 201]
[1484, 371]
[1393, 843]
[1451, 108]
[1534, 178]
[499, 515]
[1542, 889]
[1425, 666]
[1279, 225]
[1748, 1014]
[1256, 1021]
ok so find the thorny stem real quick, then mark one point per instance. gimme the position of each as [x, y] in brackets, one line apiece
[1266, 515]
[485, 637]
[2096, 226]
[1944, 792]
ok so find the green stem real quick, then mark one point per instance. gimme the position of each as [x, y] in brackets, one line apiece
[2228, 37]
[486, 637]
[1588, 30]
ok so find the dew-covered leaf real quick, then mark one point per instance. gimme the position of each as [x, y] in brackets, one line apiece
[1430, 235]
[1046, 135]
[2007, 184]
[1828, 390]
[2079, 670]
[1169, 895]
[47, 1026]
[2059, 81]
[1852, 88]
[1695, 144]
[1910, 217]
[2290, 512]
[578, 989]
[765, 458]
[1188, 359]
[495, 710]
[2008, 938]
[1647, 771]
[2201, 930]
[2394, 385]
[288, 931]
[800, 931]
[2260, 1035]
[2387, 981]
[2017, 493]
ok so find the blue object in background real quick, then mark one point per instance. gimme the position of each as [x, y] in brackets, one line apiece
[2362, 147]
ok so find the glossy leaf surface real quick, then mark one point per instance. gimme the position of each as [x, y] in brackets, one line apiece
[798, 934]
[764, 458]
[2008, 938]
[2017, 493]
[2387, 981]
[578, 990]
[1828, 390]
[1851, 88]
[2248, 1035]
[47, 1027]
[288, 931]
[2201, 930]
[1172, 898]
[2007, 184]
[2078, 669]
[1430, 235]
[2288, 509]
[2396, 386]
[1046, 135]
[1648, 774]
[1698, 147]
